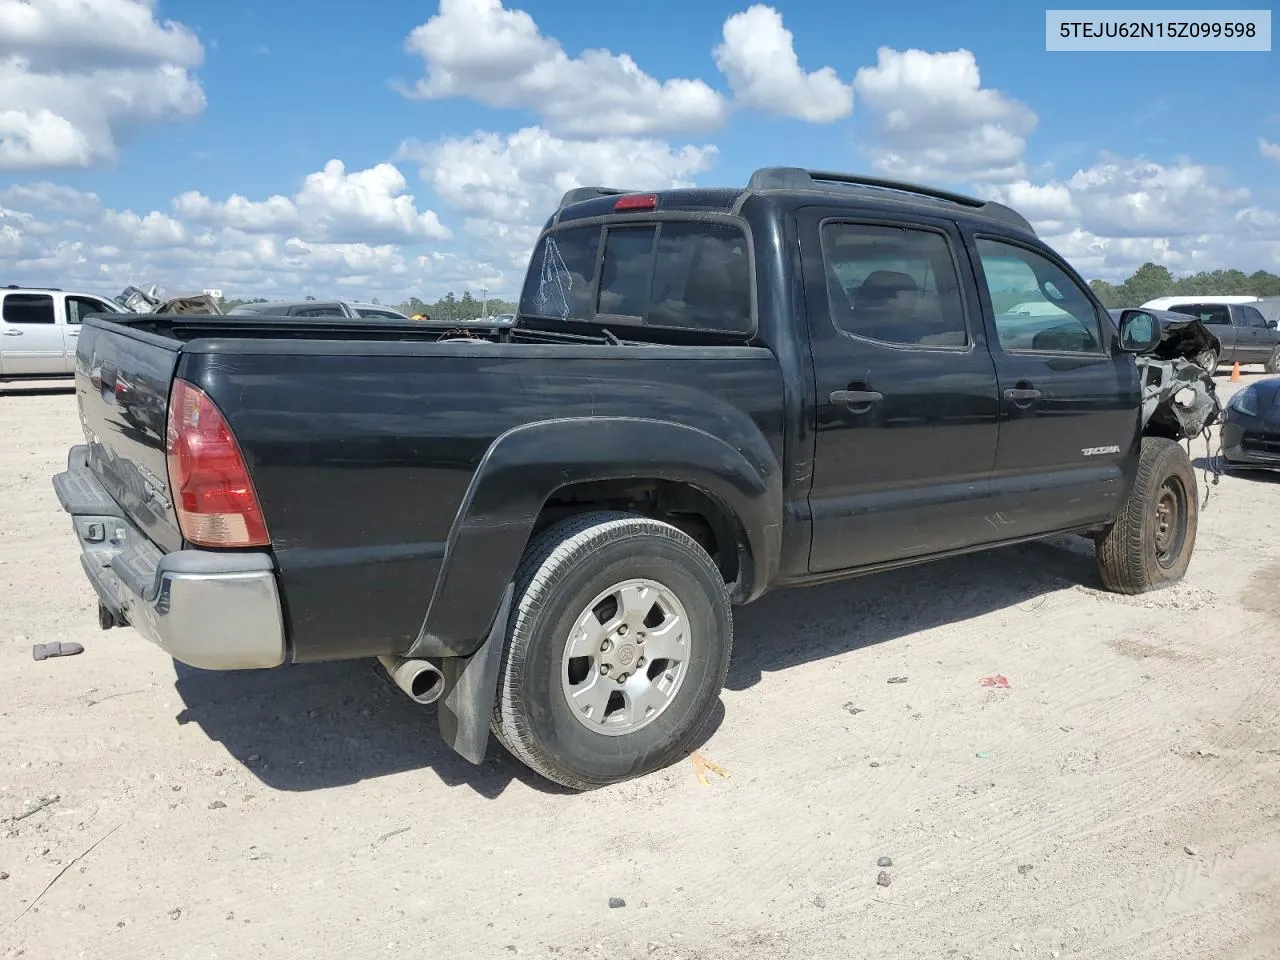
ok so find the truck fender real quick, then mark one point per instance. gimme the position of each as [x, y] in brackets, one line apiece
[526, 465]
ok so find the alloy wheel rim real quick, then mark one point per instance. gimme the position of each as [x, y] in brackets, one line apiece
[626, 657]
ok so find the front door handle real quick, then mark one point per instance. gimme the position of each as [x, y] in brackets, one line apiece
[1022, 396]
[13, 333]
[856, 398]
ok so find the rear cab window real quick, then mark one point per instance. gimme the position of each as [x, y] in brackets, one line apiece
[672, 274]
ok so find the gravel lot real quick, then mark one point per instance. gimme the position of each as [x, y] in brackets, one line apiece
[1120, 799]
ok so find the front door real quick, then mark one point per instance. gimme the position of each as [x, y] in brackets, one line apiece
[30, 336]
[905, 391]
[1261, 341]
[1069, 405]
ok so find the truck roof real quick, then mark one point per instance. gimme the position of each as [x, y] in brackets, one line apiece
[586, 202]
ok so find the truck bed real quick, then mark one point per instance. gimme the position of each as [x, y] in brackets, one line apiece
[363, 438]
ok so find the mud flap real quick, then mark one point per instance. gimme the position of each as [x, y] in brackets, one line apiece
[472, 683]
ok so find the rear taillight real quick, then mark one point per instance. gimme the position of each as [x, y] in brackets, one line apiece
[212, 492]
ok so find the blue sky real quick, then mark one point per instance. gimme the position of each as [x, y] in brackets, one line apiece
[1117, 157]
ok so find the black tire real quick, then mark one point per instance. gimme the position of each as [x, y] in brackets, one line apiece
[562, 571]
[1148, 548]
[1208, 361]
[1273, 362]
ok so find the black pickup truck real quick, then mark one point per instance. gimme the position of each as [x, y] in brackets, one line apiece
[706, 394]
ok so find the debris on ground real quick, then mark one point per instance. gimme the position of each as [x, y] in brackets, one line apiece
[1025, 868]
[999, 680]
[701, 765]
[884, 862]
[1190, 851]
[896, 680]
[43, 651]
[852, 709]
[35, 808]
[217, 805]
[616, 903]
[883, 879]
[983, 755]
[820, 901]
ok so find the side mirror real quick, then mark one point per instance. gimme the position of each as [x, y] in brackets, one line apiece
[1139, 331]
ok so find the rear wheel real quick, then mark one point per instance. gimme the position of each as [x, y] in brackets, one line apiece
[1150, 544]
[1273, 362]
[617, 650]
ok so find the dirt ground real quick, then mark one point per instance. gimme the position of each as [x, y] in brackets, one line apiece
[1119, 799]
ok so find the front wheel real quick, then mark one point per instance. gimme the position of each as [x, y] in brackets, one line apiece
[1149, 546]
[1208, 361]
[1273, 362]
[617, 650]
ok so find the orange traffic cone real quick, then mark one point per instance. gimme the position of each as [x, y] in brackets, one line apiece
[1235, 372]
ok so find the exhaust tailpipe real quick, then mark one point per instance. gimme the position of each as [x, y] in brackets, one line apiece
[421, 680]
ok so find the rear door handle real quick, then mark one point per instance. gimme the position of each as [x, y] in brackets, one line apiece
[856, 398]
[13, 333]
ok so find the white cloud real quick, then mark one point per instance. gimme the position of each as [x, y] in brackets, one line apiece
[1269, 149]
[78, 75]
[507, 185]
[1128, 197]
[61, 237]
[1109, 218]
[759, 60]
[481, 50]
[332, 206]
[935, 120]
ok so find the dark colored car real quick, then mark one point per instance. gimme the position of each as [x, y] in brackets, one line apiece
[706, 394]
[1246, 335]
[1251, 426]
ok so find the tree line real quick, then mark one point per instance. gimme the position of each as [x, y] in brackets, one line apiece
[449, 307]
[1151, 280]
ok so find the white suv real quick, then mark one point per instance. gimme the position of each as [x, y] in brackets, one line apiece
[39, 327]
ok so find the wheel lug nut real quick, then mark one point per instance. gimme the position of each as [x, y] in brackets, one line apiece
[604, 668]
[622, 630]
[604, 647]
[640, 663]
[622, 678]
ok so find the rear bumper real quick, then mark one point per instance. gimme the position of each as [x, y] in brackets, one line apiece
[215, 611]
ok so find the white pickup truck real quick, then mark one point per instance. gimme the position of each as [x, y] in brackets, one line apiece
[38, 330]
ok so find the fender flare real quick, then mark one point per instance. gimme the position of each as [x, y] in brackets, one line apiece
[525, 466]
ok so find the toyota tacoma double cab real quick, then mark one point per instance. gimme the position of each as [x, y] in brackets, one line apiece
[706, 394]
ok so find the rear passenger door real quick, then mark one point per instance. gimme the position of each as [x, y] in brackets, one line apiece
[905, 391]
[31, 342]
[1069, 406]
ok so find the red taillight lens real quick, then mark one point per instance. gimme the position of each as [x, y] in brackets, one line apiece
[212, 492]
[640, 201]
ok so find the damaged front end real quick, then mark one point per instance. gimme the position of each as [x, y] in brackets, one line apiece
[1179, 397]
